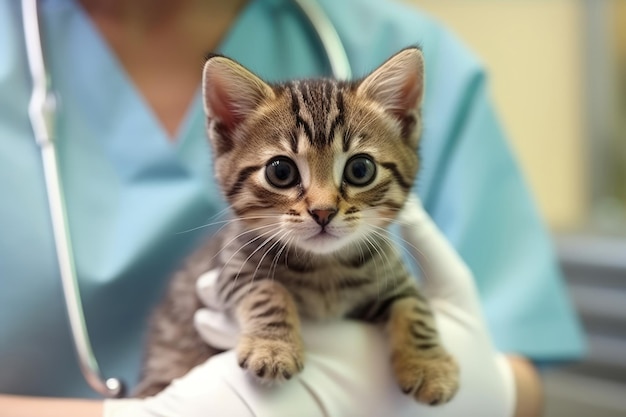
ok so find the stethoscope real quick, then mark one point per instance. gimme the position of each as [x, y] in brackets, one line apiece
[42, 111]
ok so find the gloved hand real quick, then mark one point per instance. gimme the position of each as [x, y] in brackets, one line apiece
[347, 370]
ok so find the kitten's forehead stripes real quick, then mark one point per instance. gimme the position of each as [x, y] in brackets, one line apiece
[316, 101]
[300, 122]
[293, 141]
[347, 139]
[339, 119]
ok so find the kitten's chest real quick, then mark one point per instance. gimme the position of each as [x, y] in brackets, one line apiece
[331, 288]
[318, 294]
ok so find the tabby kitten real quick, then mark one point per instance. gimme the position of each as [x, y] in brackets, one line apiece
[315, 171]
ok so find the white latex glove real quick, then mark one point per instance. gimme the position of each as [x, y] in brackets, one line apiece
[347, 370]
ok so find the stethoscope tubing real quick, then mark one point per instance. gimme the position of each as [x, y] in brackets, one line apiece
[42, 109]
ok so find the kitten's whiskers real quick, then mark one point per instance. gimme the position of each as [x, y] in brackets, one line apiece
[384, 255]
[373, 245]
[417, 262]
[243, 246]
[274, 264]
[278, 240]
[225, 223]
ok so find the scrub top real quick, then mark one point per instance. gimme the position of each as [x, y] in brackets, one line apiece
[135, 199]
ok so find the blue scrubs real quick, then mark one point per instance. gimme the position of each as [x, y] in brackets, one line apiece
[132, 194]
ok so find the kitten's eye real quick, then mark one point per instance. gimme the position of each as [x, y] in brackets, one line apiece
[281, 172]
[360, 170]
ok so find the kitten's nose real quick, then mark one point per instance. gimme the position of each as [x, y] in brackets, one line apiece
[323, 216]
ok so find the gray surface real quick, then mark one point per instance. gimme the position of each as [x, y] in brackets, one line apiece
[595, 269]
[569, 395]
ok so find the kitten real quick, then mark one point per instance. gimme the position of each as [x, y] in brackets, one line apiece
[314, 171]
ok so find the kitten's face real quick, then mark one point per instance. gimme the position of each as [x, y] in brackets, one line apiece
[315, 164]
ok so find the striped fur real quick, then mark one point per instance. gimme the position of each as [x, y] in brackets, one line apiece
[317, 246]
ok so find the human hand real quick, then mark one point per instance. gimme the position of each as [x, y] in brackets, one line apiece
[486, 380]
[347, 371]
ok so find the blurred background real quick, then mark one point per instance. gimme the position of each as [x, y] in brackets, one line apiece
[558, 76]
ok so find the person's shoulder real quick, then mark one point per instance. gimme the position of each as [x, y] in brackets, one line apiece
[371, 30]
[10, 29]
[378, 10]
[14, 74]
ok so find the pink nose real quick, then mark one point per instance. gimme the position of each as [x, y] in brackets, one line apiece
[323, 216]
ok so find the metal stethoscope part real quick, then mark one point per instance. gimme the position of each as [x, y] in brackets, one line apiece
[42, 111]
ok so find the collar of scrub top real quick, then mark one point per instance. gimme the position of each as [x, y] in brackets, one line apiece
[42, 111]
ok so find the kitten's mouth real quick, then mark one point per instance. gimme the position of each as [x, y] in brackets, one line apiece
[323, 236]
[323, 242]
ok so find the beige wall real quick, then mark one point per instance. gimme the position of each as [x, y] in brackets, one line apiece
[533, 51]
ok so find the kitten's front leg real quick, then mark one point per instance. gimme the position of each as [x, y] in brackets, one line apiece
[422, 366]
[270, 345]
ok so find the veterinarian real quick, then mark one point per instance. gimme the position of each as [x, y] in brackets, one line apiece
[134, 164]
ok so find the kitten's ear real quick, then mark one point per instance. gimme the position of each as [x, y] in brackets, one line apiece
[231, 92]
[398, 84]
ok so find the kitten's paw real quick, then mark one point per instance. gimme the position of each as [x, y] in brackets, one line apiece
[270, 360]
[430, 380]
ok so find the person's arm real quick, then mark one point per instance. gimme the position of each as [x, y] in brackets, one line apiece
[528, 387]
[18, 406]
[528, 398]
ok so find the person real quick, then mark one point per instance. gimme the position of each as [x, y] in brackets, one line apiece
[136, 171]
